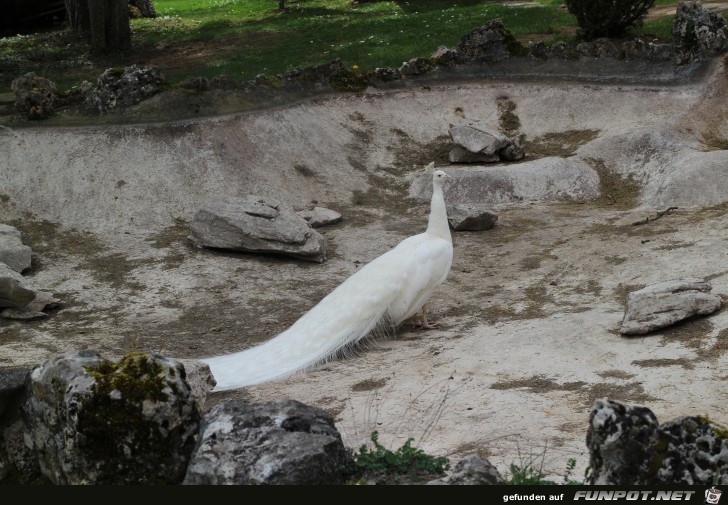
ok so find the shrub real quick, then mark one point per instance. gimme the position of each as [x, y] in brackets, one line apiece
[607, 18]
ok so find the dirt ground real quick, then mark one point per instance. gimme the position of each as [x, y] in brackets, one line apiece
[529, 315]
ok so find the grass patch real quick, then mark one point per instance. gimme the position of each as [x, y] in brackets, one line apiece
[383, 466]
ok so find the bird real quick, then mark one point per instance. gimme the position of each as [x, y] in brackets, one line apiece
[379, 296]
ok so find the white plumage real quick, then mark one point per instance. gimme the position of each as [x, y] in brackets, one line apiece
[385, 292]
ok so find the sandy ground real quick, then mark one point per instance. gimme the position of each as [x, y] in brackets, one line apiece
[529, 314]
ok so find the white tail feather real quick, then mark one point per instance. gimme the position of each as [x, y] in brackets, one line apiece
[385, 292]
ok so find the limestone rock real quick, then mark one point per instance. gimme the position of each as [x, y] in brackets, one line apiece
[13, 291]
[470, 217]
[35, 96]
[544, 179]
[459, 154]
[627, 446]
[13, 252]
[282, 442]
[320, 216]
[471, 470]
[256, 224]
[121, 88]
[665, 303]
[92, 421]
[697, 33]
[477, 137]
[488, 43]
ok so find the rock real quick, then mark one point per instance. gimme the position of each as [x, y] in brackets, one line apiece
[459, 154]
[120, 88]
[320, 216]
[417, 66]
[542, 180]
[665, 303]
[514, 151]
[92, 421]
[13, 252]
[145, 7]
[489, 43]
[13, 292]
[200, 379]
[445, 57]
[34, 96]
[470, 471]
[470, 217]
[627, 447]
[599, 48]
[697, 33]
[33, 310]
[317, 75]
[256, 224]
[476, 137]
[387, 74]
[281, 442]
[17, 460]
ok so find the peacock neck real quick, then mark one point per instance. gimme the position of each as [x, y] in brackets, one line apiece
[437, 224]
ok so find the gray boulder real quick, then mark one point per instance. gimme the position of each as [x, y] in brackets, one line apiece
[256, 224]
[545, 179]
[282, 442]
[697, 33]
[459, 154]
[477, 137]
[470, 471]
[417, 66]
[627, 447]
[16, 458]
[470, 217]
[665, 303]
[13, 252]
[489, 43]
[120, 88]
[93, 421]
[320, 216]
[13, 291]
[35, 96]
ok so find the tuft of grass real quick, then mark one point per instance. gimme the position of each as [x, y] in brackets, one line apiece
[384, 466]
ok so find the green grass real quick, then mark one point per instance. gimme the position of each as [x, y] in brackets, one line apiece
[383, 466]
[244, 38]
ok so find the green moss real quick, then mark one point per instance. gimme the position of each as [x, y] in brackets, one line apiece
[112, 424]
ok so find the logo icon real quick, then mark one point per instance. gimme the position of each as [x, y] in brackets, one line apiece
[712, 496]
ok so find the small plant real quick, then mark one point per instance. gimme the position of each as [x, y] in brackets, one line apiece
[607, 18]
[392, 467]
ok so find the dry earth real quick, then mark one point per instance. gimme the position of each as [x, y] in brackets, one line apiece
[529, 314]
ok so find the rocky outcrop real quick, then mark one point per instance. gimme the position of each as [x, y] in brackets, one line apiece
[697, 33]
[282, 442]
[35, 96]
[120, 88]
[93, 421]
[256, 224]
[627, 446]
[666, 303]
[488, 44]
[545, 179]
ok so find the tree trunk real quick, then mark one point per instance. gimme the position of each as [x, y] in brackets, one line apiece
[77, 13]
[110, 30]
